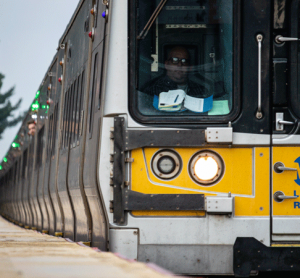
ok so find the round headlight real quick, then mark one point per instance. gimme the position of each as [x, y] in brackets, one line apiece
[166, 164]
[206, 167]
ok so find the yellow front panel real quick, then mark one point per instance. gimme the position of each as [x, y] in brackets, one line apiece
[245, 169]
[286, 181]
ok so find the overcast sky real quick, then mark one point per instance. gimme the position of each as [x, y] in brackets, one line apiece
[29, 34]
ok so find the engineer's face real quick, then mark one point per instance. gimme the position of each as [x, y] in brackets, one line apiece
[177, 69]
[31, 128]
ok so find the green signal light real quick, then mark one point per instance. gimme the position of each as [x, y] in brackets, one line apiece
[37, 94]
[43, 106]
[1, 167]
[5, 159]
[35, 106]
[15, 145]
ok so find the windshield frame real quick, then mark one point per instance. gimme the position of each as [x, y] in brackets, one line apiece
[175, 120]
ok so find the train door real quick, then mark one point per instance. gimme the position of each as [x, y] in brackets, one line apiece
[62, 161]
[41, 164]
[24, 185]
[26, 193]
[286, 115]
[55, 154]
[76, 73]
[94, 124]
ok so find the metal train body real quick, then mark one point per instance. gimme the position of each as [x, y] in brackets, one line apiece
[93, 171]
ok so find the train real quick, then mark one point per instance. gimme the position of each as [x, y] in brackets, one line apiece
[168, 131]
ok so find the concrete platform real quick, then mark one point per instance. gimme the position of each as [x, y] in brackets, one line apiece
[26, 253]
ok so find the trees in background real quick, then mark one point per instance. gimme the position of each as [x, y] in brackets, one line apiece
[7, 119]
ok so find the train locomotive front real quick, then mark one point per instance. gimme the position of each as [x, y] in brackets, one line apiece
[173, 137]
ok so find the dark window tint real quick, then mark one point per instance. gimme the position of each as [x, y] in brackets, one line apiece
[80, 105]
[40, 147]
[92, 95]
[64, 120]
[75, 96]
[54, 137]
[50, 136]
[24, 165]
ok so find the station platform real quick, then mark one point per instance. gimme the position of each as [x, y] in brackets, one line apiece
[26, 253]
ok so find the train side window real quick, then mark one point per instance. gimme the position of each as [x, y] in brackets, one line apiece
[64, 120]
[50, 134]
[68, 116]
[80, 105]
[72, 113]
[24, 165]
[188, 53]
[30, 159]
[71, 96]
[19, 169]
[15, 170]
[72, 103]
[40, 147]
[77, 111]
[54, 135]
[92, 95]
[75, 108]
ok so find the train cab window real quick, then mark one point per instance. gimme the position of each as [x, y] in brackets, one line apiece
[183, 59]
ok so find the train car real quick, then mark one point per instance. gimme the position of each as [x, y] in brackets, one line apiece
[168, 131]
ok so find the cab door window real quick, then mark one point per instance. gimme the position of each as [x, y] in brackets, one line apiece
[184, 59]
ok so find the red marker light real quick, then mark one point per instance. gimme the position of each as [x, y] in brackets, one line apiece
[92, 11]
[49, 101]
[59, 80]
[92, 33]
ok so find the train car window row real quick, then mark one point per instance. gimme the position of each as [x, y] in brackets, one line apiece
[73, 106]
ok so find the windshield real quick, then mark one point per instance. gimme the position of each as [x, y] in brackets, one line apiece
[185, 60]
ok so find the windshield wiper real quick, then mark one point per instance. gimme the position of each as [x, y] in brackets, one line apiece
[155, 14]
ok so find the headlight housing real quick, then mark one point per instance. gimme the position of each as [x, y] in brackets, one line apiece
[166, 164]
[206, 167]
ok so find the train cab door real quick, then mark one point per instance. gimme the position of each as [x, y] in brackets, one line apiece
[92, 186]
[285, 163]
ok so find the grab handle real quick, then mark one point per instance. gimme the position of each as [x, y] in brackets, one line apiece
[259, 39]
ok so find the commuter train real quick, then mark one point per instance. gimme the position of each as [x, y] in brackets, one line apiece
[168, 131]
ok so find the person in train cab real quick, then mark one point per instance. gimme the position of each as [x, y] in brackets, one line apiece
[31, 127]
[177, 67]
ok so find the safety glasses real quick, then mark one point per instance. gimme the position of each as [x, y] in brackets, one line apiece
[176, 60]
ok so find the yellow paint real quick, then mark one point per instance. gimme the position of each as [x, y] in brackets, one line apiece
[58, 234]
[237, 179]
[260, 204]
[285, 181]
[87, 243]
[285, 245]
